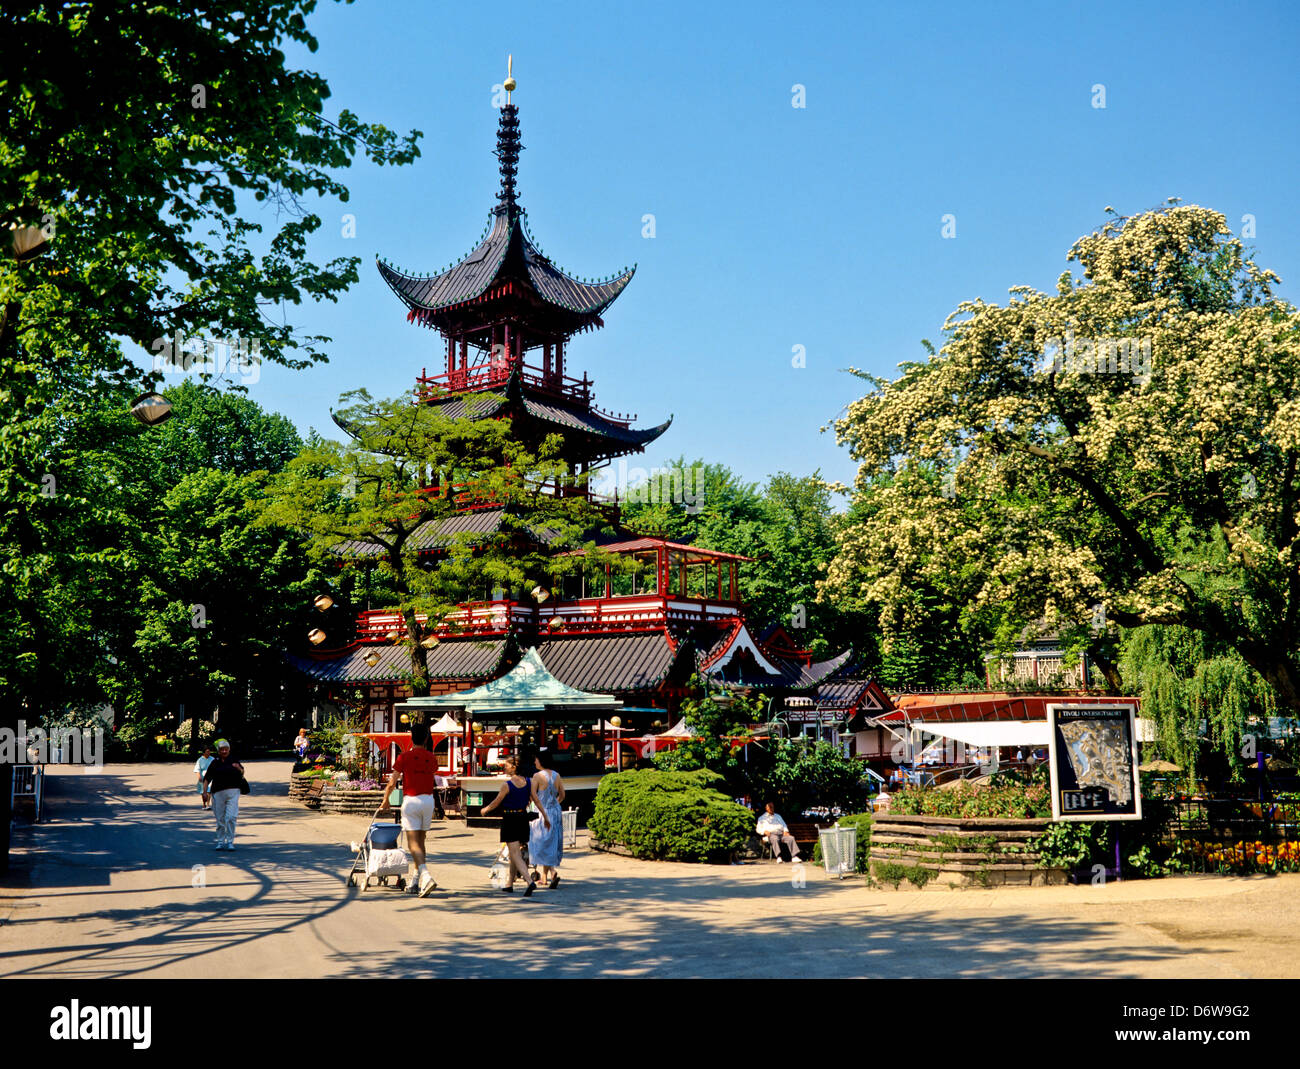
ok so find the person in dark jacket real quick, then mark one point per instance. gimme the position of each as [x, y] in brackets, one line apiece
[221, 783]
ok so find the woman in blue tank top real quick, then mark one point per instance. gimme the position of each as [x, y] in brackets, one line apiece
[516, 793]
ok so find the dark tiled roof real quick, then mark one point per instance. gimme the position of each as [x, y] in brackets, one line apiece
[744, 671]
[553, 412]
[464, 658]
[505, 251]
[607, 663]
[841, 693]
[810, 675]
[555, 286]
[433, 534]
[468, 405]
[465, 280]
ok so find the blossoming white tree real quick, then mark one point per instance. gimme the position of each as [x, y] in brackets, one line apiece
[1122, 452]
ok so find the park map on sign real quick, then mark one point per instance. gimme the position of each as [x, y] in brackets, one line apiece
[1100, 756]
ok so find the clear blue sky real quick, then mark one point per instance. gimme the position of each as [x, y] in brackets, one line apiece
[779, 226]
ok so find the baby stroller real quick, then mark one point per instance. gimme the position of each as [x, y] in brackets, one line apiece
[378, 859]
[499, 873]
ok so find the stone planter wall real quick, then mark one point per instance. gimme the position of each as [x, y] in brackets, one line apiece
[958, 852]
[361, 803]
[298, 784]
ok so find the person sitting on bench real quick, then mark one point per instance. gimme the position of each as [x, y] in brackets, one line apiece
[773, 828]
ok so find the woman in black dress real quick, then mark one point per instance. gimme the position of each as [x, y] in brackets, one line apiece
[516, 793]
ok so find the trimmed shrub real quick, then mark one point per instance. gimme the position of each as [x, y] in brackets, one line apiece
[670, 816]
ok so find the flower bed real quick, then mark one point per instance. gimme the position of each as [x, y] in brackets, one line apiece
[966, 800]
[1243, 857]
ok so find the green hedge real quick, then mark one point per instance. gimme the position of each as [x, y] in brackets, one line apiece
[862, 821]
[670, 816]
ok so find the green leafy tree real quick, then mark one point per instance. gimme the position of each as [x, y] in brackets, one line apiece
[787, 526]
[1123, 452]
[390, 493]
[1184, 678]
[137, 143]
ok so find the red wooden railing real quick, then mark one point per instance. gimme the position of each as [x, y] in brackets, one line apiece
[496, 373]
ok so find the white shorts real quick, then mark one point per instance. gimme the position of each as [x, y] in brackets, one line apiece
[417, 812]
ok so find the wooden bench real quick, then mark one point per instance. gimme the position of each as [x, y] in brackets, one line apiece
[314, 793]
[805, 834]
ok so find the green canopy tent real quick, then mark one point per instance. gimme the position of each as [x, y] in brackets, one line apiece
[526, 695]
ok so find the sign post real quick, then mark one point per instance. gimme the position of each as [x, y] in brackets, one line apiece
[1094, 761]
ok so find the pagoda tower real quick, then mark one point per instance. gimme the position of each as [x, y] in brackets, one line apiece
[506, 315]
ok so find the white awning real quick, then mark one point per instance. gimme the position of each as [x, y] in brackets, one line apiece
[991, 732]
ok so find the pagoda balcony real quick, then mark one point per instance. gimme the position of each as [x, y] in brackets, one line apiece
[638, 612]
[631, 612]
[493, 374]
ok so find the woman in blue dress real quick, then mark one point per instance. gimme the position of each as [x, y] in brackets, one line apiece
[546, 837]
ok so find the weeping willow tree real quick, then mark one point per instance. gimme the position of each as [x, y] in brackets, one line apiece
[1183, 678]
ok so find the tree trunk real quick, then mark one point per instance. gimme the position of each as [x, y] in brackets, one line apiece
[1109, 669]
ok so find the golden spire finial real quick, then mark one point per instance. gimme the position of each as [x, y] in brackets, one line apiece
[509, 84]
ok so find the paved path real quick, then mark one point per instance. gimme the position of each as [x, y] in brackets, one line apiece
[107, 887]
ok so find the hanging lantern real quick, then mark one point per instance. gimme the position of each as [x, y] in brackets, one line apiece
[404, 719]
[477, 728]
[429, 641]
[151, 409]
[555, 624]
[323, 602]
[658, 724]
[540, 594]
[617, 721]
[315, 636]
[393, 635]
[371, 658]
[28, 241]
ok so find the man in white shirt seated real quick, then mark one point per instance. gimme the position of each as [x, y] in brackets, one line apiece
[773, 828]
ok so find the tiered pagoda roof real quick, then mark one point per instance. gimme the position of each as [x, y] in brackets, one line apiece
[503, 300]
[505, 264]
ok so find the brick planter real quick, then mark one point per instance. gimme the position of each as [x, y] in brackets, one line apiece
[958, 852]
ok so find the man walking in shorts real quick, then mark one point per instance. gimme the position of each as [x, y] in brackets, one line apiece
[416, 767]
